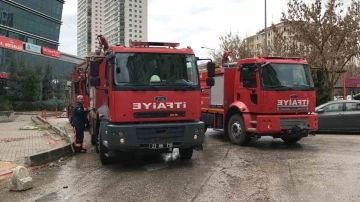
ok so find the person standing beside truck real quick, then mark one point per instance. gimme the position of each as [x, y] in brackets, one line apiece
[79, 122]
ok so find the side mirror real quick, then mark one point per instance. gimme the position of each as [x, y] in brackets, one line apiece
[95, 81]
[211, 69]
[76, 86]
[320, 111]
[94, 68]
[210, 81]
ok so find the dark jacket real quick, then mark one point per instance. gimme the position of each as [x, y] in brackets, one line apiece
[79, 116]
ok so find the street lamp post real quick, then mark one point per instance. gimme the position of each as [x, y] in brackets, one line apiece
[265, 42]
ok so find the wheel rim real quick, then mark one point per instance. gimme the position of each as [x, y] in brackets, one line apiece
[236, 129]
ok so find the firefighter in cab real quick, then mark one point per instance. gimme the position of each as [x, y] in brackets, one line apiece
[79, 122]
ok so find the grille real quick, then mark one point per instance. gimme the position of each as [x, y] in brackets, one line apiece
[288, 123]
[160, 135]
[159, 114]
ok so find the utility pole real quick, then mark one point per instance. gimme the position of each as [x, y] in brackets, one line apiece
[265, 42]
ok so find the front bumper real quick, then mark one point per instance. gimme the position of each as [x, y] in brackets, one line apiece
[140, 136]
[305, 123]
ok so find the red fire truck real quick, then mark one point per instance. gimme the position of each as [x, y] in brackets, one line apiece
[78, 87]
[255, 97]
[147, 98]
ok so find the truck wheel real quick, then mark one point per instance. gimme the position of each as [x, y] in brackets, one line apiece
[103, 150]
[186, 154]
[291, 139]
[93, 140]
[236, 131]
[97, 142]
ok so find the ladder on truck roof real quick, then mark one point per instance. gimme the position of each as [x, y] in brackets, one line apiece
[148, 44]
[229, 64]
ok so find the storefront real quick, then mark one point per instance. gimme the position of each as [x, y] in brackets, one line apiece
[14, 50]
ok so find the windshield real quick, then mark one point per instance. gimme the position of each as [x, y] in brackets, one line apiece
[156, 69]
[296, 76]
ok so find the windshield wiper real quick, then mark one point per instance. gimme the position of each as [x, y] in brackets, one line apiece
[279, 87]
[181, 86]
[142, 85]
[300, 85]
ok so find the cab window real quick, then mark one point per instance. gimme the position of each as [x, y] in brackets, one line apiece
[337, 107]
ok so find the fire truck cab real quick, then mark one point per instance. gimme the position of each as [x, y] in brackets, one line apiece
[267, 96]
[147, 98]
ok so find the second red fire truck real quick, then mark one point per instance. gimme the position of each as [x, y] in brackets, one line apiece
[255, 97]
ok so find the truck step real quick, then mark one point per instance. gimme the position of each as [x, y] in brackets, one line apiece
[253, 122]
[251, 129]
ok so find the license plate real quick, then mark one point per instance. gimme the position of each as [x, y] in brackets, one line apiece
[160, 146]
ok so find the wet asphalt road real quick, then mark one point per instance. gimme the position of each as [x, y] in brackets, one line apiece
[320, 168]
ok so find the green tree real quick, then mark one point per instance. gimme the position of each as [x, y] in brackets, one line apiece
[14, 91]
[32, 86]
[48, 89]
[59, 89]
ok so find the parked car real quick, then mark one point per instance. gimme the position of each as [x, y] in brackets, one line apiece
[339, 116]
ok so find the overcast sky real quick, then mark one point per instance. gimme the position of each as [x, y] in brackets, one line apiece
[194, 23]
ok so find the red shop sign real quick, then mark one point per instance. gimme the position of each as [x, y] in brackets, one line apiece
[50, 52]
[4, 75]
[12, 44]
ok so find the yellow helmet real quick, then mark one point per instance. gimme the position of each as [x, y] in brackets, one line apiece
[155, 78]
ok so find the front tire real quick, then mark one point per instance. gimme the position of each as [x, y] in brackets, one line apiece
[186, 154]
[236, 130]
[291, 140]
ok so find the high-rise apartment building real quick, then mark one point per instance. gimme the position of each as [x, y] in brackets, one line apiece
[118, 20]
[89, 25]
[125, 20]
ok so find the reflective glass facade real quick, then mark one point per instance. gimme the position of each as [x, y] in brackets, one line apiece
[61, 68]
[52, 8]
[35, 21]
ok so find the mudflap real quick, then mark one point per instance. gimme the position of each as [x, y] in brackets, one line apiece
[300, 130]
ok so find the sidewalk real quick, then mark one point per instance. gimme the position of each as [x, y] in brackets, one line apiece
[16, 143]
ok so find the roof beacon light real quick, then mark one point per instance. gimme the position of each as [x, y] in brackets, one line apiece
[148, 44]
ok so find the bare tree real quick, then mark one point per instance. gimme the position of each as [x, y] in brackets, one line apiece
[284, 44]
[233, 43]
[330, 34]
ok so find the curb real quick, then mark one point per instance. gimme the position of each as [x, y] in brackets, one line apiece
[56, 129]
[48, 156]
[53, 154]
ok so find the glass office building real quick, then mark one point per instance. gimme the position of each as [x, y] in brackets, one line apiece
[30, 29]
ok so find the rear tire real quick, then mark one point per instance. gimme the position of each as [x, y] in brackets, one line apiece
[236, 130]
[186, 154]
[291, 140]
